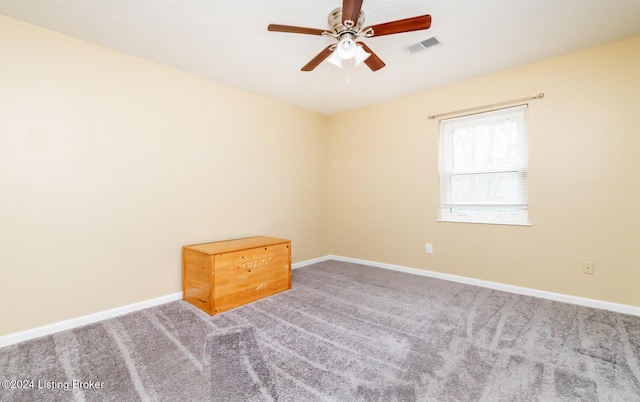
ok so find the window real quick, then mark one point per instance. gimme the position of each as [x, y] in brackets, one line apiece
[483, 167]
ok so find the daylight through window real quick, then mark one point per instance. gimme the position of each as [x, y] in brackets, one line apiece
[483, 167]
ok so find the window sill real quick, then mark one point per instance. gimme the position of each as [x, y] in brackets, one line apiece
[485, 222]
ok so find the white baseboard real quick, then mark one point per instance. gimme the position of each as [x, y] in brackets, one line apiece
[11, 339]
[49, 329]
[582, 301]
[309, 262]
[16, 337]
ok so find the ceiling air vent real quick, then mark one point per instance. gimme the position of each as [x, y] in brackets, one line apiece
[422, 45]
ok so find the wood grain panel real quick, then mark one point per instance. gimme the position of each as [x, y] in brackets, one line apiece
[219, 247]
[235, 299]
[248, 275]
[239, 265]
[197, 280]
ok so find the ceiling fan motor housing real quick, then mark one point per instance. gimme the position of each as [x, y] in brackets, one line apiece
[335, 22]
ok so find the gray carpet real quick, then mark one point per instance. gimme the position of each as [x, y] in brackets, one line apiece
[345, 332]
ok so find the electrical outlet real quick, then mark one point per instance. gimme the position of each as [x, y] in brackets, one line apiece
[429, 248]
[588, 267]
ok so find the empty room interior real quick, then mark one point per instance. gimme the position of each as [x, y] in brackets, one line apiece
[129, 130]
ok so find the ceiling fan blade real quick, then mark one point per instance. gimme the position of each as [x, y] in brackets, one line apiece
[292, 29]
[351, 11]
[315, 62]
[405, 25]
[373, 62]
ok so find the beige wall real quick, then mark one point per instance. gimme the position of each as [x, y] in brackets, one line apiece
[584, 180]
[109, 164]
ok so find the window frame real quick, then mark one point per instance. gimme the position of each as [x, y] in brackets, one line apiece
[518, 214]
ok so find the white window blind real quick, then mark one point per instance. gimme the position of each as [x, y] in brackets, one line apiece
[483, 167]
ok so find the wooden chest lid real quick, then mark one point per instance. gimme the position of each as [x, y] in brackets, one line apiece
[225, 246]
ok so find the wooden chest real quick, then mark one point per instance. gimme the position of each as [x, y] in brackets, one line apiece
[222, 275]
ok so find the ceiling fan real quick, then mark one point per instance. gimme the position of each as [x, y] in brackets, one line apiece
[347, 25]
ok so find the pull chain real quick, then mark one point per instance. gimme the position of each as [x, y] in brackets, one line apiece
[348, 71]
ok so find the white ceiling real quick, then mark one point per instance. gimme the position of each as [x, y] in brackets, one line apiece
[228, 42]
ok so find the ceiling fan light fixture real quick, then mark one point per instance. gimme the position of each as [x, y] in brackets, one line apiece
[346, 48]
[335, 59]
